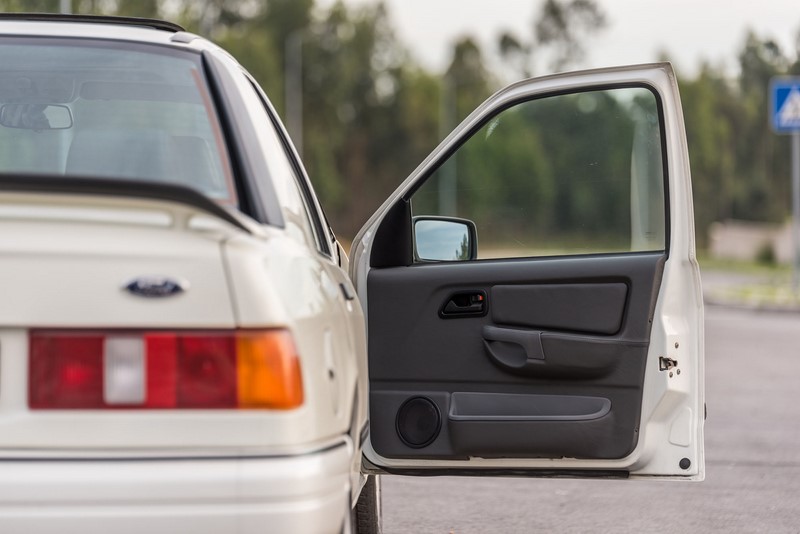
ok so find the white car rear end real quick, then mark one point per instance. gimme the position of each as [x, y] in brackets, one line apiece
[124, 405]
[168, 363]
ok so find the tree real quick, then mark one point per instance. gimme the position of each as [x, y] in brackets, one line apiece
[561, 25]
[739, 167]
[712, 114]
[371, 113]
[558, 40]
[762, 157]
[515, 52]
[467, 82]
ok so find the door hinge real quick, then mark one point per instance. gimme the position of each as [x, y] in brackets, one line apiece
[665, 364]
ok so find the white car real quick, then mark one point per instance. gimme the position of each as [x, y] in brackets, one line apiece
[182, 341]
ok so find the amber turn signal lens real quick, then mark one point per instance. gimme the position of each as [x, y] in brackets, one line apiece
[268, 369]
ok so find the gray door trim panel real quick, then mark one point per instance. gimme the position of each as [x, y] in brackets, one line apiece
[413, 352]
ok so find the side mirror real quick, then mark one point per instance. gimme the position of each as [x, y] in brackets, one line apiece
[36, 116]
[444, 239]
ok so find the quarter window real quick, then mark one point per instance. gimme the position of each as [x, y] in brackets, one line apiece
[280, 173]
[295, 194]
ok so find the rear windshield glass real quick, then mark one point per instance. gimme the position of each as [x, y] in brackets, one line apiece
[111, 110]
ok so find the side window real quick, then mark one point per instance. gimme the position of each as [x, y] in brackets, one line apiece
[290, 187]
[560, 175]
[279, 167]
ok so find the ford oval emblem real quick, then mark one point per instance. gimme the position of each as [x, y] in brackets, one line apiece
[156, 286]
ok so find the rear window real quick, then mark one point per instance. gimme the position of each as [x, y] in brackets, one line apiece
[111, 110]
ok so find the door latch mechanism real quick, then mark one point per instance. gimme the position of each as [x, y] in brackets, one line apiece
[665, 364]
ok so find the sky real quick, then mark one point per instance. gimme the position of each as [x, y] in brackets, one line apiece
[638, 31]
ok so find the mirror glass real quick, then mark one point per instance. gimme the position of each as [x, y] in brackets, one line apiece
[35, 116]
[442, 240]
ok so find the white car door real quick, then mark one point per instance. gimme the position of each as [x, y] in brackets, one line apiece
[532, 295]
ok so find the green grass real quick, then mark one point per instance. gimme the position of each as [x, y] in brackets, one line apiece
[764, 285]
[744, 267]
[773, 295]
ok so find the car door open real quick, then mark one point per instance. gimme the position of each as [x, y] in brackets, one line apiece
[532, 295]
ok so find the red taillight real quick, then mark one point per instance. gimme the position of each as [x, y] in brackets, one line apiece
[67, 370]
[206, 372]
[167, 370]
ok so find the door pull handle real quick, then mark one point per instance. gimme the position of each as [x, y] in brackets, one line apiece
[529, 340]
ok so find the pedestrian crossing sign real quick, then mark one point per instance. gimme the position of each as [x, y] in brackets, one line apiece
[785, 104]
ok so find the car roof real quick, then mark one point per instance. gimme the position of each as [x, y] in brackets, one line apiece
[92, 27]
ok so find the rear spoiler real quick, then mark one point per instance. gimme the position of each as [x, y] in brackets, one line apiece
[37, 183]
[96, 19]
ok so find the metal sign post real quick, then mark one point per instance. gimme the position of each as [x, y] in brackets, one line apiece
[796, 210]
[785, 113]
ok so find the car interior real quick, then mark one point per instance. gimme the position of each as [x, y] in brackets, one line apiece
[112, 113]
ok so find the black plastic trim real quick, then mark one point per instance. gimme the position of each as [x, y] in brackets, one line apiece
[263, 208]
[393, 242]
[37, 183]
[506, 472]
[95, 19]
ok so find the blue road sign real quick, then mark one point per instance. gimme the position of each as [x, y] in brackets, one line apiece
[785, 104]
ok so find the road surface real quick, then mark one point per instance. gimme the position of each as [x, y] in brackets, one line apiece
[752, 459]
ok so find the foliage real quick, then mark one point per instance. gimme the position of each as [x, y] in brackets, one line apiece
[371, 114]
[766, 254]
[740, 169]
[558, 37]
[553, 173]
[562, 24]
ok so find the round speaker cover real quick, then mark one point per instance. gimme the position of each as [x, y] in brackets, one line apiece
[418, 422]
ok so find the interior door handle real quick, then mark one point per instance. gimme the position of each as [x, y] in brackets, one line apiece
[464, 304]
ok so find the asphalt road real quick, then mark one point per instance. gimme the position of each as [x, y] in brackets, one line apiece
[752, 459]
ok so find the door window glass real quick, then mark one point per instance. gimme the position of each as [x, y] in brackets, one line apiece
[560, 175]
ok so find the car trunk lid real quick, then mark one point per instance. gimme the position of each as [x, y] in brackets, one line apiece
[83, 262]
